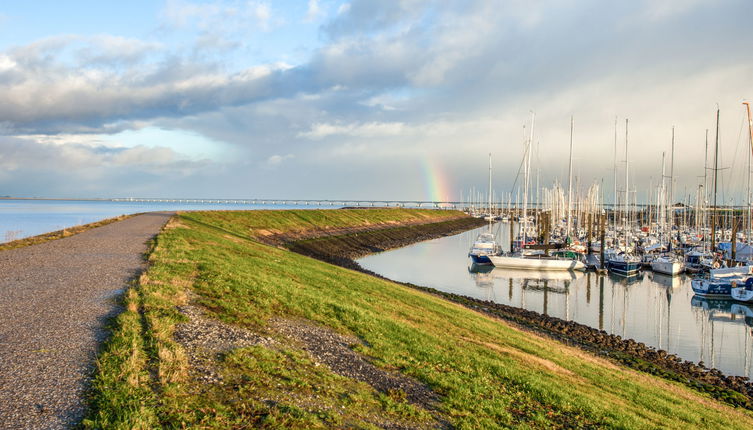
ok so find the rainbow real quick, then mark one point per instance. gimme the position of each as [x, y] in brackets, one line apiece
[437, 181]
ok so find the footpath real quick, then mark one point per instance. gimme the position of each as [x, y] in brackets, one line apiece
[55, 299]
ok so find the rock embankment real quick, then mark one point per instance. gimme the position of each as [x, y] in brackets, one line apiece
[342, 249]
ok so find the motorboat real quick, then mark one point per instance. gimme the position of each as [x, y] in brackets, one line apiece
[719, 281]
[483, 247]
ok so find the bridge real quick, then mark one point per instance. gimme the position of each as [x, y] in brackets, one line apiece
[304, 202]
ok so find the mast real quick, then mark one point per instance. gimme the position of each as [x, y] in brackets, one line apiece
[527, 162]
[614, 206]
[661, 200]
[750, 154]
[626, 185]
[716, 171]
[705, 189]
[490, 191]
[671, 195]
[570, 181]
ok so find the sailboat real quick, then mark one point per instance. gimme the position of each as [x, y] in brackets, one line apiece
[668, 264]
[533, 261]
[623, 263]
[743, 291]
[485, 244]
[719, 281]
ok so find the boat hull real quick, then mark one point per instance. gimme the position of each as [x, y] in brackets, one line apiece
[480, 259]
[742, 291]
[667, 267]
[536, 263]
[623, 268]
[711, 287]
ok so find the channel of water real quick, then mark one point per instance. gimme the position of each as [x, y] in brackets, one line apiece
[657, 310]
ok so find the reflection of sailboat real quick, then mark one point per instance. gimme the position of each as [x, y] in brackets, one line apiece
[498, 273]
[714, 310]
[483, 278]
[626, 280]
[671, 282]
[745, 310]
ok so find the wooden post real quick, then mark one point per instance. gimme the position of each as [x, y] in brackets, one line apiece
[734, 241]
[588, 241]
[512, 238]
[603, 241]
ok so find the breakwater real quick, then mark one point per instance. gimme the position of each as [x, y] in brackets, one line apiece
[341, 249]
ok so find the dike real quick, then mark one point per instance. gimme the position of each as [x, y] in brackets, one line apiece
[342, 249]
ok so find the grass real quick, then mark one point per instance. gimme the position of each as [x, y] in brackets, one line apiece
[59, 234]
[487, 374]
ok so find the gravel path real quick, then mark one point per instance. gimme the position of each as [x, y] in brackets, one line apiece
[54, 300]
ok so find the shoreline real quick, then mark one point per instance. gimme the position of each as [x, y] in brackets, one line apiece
[340, 250]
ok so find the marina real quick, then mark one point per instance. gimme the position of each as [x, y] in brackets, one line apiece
[658, 310]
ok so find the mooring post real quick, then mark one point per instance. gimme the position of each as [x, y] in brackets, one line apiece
[512, 238]
[603, 243]
[734, 241]
[588, 242]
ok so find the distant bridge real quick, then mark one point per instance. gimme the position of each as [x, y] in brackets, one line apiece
[384, 203]
[305, 202]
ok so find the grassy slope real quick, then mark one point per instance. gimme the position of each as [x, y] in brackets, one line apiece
[487, 373]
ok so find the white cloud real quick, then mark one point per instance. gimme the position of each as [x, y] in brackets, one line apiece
[277, 159]
[366, 130]
[217, 16]
[313, 12]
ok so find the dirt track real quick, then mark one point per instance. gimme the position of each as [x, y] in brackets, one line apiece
[54, 300]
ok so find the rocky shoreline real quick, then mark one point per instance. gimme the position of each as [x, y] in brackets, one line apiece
[342, 249]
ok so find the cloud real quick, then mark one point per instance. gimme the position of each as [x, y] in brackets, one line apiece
[313, 12]
[368, 130]
[391, 83]
[276, 159]
[217, 15]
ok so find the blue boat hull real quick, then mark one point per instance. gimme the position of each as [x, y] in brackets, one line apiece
[707, 288]
[624, 268]
[480, 259]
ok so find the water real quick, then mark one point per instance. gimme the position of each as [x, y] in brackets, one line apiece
[654, 309]
[24, 218]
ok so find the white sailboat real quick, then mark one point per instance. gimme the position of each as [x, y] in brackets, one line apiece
[485, 244]
[521, 260]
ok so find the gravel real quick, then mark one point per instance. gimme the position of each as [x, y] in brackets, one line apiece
[204, 339]
[55, 298]
[334, 350]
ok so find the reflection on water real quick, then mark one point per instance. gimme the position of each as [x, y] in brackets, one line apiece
[657, 310]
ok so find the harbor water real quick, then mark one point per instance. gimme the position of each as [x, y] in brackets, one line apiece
[657, 310]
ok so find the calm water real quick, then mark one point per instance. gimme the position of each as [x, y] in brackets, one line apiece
[23, 218]
[654, 309]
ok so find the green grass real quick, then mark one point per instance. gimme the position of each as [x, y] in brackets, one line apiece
[59, 234]
[487, 373]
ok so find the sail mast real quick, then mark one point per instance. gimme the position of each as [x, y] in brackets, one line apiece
[750, 154]
[527, 161]
[490, 191]
[672, 186]
[705, 189]
[570, 181]
[614, 165]
[626, 185]
[716, 171]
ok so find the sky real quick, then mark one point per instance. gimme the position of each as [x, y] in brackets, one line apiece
[367, 99]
